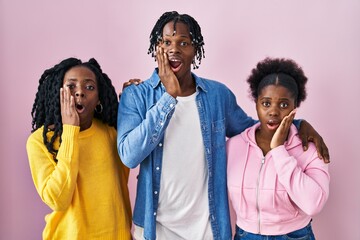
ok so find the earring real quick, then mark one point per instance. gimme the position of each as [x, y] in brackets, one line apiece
[97, 108]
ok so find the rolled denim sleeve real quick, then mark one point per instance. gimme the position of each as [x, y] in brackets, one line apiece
[140, 129]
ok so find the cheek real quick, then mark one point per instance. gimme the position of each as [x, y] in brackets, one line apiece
[285, 113]
[260, 112]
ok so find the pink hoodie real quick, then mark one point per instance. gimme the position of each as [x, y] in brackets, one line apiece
[277, 193]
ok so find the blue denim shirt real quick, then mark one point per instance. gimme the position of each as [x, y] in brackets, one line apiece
[144, 113]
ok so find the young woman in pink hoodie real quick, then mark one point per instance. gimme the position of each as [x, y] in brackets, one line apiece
[275, 187]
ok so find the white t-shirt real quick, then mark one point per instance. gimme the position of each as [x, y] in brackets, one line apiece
[183, 211]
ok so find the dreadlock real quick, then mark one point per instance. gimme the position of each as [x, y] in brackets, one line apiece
[46, 110]
[194, 29]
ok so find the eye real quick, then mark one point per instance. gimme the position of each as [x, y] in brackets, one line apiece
[90, 87]
[266, 104]
[184, 44]
[284, 105]
[70, 86]
[166, 43]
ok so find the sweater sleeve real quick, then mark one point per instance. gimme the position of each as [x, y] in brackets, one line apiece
[308, 186]
[55, 182]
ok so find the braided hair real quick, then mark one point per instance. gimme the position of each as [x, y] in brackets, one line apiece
[194, 29]
[46, 110]
[278, 71]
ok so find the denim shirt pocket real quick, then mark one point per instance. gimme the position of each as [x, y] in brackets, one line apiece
[218, 133]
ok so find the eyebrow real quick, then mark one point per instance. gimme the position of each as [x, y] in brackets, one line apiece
[73, 79]
[183, 36]
[281, 99]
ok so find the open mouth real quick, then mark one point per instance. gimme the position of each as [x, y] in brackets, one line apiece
[80, 108]
[272, 124]
[175, 64]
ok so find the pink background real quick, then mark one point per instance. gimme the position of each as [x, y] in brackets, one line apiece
[323, 36]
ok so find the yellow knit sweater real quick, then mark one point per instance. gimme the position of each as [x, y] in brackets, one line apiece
[87, 189]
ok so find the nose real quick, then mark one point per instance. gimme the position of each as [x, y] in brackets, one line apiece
[173, 48]
[274, 111]
[79, 93]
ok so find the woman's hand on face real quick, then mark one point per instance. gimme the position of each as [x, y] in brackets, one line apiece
[69, 114]
[167, 76]
[282, 131]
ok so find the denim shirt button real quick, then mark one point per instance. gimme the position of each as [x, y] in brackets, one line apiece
[157, 168]
[154, 213]
[160, 144]
[171, 105]
[212, 217]
[156, 192]
[162, 123]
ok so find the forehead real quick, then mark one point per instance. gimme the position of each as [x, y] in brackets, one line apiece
[273, 91]
[79, 73]
[180, 27]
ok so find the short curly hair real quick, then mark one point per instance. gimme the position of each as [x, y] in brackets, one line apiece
[278, 71]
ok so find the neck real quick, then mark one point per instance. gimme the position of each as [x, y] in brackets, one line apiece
[85, 125]
[263, 140]
[187, 86]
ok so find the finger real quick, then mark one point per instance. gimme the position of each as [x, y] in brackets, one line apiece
[62, 103]
[166, 60]
[287, 121]
[69, 102]
[130, 82]
[322, 150]
[159, 57]
[72, 104]
[61, 96]
[318, 147]
[67, 97]
[135, 81]
[326, 154]
[305, 142]
[65, 89]
[292, 115]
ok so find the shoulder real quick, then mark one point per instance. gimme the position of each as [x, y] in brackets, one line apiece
[215, 90]
[104, 128]
[140, 91]
[213, 84]
[236, 141]
[35, 142]
[36, 136]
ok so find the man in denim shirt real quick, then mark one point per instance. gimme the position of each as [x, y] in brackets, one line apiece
[175, 126]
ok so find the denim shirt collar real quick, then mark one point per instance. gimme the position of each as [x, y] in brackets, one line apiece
[155, 81]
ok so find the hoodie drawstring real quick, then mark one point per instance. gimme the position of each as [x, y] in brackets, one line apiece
[243, 175]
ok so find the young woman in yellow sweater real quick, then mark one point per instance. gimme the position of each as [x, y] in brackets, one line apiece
[73, 156]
